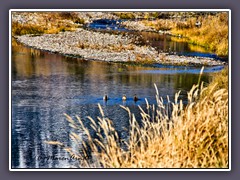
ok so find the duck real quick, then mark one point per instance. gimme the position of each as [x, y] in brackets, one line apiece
[105, 97]
[124, 97]
[135, 98]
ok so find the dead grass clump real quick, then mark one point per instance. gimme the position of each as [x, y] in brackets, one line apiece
[220, 81]
[22, 29]
[71, 16]
[160, 24]
[125, 15]
[83, 45]
[120, 47]
[183, 25]
[108, 47]
[143, 58]
[47, 22]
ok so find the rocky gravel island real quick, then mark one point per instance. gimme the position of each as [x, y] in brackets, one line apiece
[102, 46]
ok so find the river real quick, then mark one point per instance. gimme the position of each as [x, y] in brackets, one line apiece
[46, 85]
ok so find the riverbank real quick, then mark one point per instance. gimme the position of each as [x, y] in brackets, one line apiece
[212, 32]
[50, 34]
[106, 47]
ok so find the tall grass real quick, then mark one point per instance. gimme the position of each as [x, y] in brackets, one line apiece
[47, 22]
[125, 15]
[192, 136]
[213, 33]
[160, 24]
[21, 29]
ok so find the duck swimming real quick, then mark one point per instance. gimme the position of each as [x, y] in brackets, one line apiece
[135, 98]
[124, 97]
[105, 97]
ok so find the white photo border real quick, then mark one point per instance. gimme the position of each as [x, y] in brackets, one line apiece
[119, 10]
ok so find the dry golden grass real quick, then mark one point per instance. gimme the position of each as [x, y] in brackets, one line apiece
[47, 22]
[220, 81]
[160, 24]
[125, 15]
[193, 136]
[213, 33]
[21, 29]
[108, 47]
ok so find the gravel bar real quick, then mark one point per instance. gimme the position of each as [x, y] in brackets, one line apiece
[105, 47]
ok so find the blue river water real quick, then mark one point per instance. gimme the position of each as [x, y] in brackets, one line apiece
[45, 86]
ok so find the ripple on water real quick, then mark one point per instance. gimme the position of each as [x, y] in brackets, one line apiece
[56, 85]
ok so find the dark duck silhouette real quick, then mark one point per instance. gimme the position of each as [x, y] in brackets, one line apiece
[105, 97]
[135, 98]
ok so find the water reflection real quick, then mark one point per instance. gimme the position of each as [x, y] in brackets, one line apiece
[161, 42]
[106, 24]
[45, 86]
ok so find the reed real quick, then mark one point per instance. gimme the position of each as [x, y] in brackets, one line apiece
[213, 34]
[192, 136]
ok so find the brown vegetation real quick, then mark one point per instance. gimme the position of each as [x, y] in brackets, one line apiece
[46, 22]
[195, 136]
[212, 34]
[109, 47]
